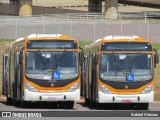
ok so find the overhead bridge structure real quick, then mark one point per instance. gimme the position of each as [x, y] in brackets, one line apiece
[111, 6]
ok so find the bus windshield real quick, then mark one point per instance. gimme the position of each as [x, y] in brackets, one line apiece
[41, 65]
[116, 67]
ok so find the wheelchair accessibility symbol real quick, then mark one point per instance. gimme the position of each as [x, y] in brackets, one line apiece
[56, 75]
[130, 77]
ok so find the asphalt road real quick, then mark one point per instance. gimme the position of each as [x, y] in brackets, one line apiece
[78, 106]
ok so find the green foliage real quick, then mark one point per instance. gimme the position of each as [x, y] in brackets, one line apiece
[156, 46]
[83, 43]
[6, 40]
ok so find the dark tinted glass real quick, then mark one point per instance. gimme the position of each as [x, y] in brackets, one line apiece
[126, 46]
[52, 44]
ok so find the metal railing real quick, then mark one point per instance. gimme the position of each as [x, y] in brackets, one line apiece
[85, 16]
[86, 26]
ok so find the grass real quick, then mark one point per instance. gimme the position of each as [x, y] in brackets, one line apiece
[83, 43]
[8, 40]
[157, 46]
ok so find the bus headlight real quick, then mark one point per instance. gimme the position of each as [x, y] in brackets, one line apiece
[104, 89]
[74, 87]
[147, 89]
[30, 87]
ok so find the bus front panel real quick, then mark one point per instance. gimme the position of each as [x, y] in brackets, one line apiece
[126, 77]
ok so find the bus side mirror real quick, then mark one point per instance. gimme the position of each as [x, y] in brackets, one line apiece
[81, 54]
[21, 57]
[96, 59]
[156, 57]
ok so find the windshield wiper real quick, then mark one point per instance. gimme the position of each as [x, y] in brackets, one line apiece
[116, 64]
[56, 59]
[60, 58]
[127, 65]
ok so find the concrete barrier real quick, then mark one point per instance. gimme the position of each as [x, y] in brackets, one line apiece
[59, 3]
[9, 9]
[4, 1]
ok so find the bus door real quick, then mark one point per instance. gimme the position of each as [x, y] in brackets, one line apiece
[17, 76]
[4, 74]
[21, 54]
[94, 80]
[83, 72]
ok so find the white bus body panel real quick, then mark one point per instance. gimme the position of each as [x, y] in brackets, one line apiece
[44, 96]
[133, 98]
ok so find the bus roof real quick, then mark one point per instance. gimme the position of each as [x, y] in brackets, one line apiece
[43, 35]
[116, 38]
[37, 36]
[119, 37]
[48, 36]
[19, 39]
[123, 39]
[16, 41]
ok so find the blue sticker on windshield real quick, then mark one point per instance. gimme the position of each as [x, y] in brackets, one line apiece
[130, 77]
[56, 75]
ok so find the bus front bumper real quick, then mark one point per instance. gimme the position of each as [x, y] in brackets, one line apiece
[44, 96]
[119, 98]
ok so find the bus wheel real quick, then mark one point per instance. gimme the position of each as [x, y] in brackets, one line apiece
[87, 101]
[144, 106]
[69, 104]
[61, 104]
[92, 103]
[98, 105]
[24, 104]
[16, 102]
[9, 100]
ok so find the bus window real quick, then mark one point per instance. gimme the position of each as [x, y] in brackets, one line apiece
[5, 70]
[116, 66]
[42, 64]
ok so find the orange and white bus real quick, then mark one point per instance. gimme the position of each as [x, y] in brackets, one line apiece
[120, 69]
[43, 67]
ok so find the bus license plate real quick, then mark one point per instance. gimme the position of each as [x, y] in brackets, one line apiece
[126, 101]
[52, 98]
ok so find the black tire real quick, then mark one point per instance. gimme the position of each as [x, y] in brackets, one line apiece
[92, 104]
[9, 100]
[98, 105]
[69, 104]
[16, 102]
[144, 106]
[24, 104]
[87, 101]
[61, 105]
